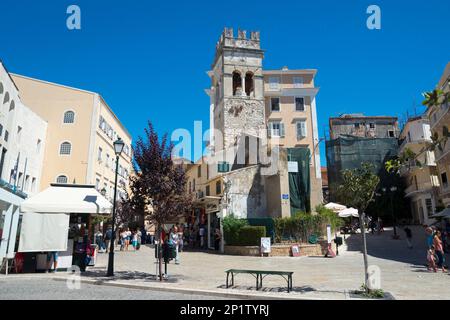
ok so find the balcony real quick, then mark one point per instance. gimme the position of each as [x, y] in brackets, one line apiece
[421, 187]
[13, 189]
[441, 115]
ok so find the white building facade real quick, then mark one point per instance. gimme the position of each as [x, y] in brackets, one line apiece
[22, 143]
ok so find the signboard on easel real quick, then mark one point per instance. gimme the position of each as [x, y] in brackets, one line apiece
[265, 245]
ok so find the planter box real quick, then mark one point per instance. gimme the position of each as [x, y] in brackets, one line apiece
[242, 250]
[280, 250]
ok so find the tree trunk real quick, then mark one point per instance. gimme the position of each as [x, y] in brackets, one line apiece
[160, 253]
[362, 218]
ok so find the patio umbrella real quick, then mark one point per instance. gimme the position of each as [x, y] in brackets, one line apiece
[336, 207]
[443, 214]
[348, 212]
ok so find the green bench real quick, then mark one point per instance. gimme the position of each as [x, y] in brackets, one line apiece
[260, 275]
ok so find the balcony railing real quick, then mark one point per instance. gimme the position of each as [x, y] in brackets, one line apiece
[14, 189]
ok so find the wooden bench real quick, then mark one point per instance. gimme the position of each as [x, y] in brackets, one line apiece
[260, 275]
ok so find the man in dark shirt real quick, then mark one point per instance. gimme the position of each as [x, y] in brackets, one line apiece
[408, 237]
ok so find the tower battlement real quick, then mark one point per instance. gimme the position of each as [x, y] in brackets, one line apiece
[228, 39]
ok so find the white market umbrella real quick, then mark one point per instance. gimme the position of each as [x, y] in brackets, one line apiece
[443, 214]
[348, 212]
[336, 207]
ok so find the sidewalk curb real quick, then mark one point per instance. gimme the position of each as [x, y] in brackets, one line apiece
[203, 292]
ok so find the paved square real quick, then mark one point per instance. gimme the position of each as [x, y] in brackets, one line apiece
[403, 271]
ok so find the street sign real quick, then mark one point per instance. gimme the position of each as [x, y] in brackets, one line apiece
[285, 196]
[292, 166]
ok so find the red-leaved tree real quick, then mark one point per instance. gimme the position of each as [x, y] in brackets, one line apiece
[159, 186]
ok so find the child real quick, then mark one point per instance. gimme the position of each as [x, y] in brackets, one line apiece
[135, 240]
[431, 257]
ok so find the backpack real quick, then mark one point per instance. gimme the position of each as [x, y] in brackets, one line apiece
[108, 234]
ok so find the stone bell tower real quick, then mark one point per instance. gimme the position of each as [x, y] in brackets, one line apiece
[237, 88]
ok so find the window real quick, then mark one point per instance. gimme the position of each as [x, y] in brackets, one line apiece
[391, 134]
[274, 83]
[298, 82]
[444, 180]
[62, 179]
[301, 129]
[299, 104]
[107, 160]
[207, 191]
[1, 130]
[27, 183]
[12, 105]
[20, 181]
[356, 125]
[275, 104]
[6, 135]
[97, 184]
[193, 185]
[6, 98]
[99, 155]
[38, 145]
[69, 117]
[249, 86]
[276, 129]
[33, 185]
[65, 148]
[199, 171]
[19, 133]
[190, 186]
[372, 125]
[218, 187]
[237, 83]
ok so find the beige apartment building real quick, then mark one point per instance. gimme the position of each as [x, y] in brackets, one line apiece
[291, 117]
[80, 135]
[422, 182]
[439, 117]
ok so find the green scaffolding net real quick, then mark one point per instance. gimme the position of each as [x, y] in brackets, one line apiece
[299, 182]
[349, 152]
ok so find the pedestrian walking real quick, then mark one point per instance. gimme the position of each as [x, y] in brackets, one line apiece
[173, 236]
[430, 235]
[52, 257]
[437, 243]
[408, 233]
[431, 257]
[128, 238]
[217, 238]
[201, 233]
[134, 241]
[123, 238]
[108, 238]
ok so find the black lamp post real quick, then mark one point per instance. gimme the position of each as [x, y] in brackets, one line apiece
[393, 189]
[118, 147]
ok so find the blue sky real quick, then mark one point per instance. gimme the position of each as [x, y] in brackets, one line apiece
[149, 58]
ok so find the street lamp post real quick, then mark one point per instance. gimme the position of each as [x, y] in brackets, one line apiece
[394, 220]
[118, 147]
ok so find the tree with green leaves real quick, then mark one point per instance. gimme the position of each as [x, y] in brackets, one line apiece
[357, 190]
[408, 158]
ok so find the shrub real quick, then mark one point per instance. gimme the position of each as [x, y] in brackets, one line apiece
[251, 235]
[231, 227]
[301, 226]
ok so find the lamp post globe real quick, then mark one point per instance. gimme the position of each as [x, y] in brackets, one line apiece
[118, 148]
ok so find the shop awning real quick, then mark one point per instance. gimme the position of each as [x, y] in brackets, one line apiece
[45, 223]
[68, 198]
